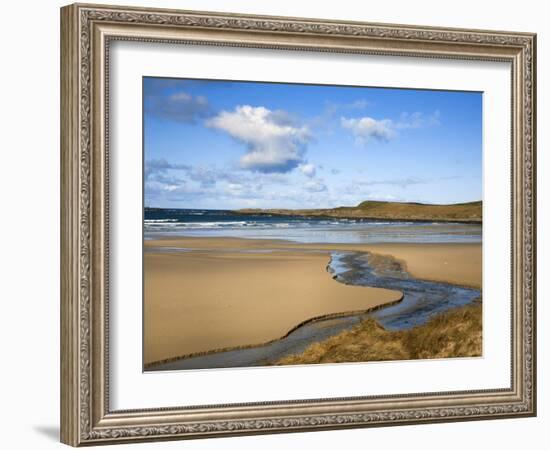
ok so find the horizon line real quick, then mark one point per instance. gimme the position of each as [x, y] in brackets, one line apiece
[330, 207]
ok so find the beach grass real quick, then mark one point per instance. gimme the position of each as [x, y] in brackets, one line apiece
[455, 333]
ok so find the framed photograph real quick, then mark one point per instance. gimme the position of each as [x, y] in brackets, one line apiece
[279, 224]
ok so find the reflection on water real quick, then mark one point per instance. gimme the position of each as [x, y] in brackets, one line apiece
[338, 232]
[421, 299]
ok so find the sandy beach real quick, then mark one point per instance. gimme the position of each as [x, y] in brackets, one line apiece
[203, 294]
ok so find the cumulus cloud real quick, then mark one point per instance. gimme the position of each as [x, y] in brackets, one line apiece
[367, 128]
[179, 106]
[308, 170]
[275, 143]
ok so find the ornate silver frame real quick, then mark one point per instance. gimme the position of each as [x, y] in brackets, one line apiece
[86, 32]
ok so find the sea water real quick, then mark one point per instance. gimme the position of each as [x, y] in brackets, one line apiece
[222, 223]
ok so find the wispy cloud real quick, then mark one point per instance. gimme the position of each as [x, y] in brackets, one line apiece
[316, 185]
[403, 182]
[209, 186]
[161, 166]
[179, 106]
[327, 120]
[400, 182]
[332, 108]
[274, 142]
[366, 129]
[418, 120]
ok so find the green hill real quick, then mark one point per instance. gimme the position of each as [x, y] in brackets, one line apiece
[458, 212]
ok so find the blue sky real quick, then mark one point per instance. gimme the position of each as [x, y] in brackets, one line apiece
[225, 145]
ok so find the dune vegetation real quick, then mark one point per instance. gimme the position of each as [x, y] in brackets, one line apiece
[455, 333]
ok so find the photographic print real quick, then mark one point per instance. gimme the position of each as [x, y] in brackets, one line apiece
[291, 224]
[294, 203]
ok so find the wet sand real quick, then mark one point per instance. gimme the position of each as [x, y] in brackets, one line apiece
[204, 294]
[201, 301]
[452, 263]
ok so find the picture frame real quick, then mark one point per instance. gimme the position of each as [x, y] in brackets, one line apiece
[87, 32]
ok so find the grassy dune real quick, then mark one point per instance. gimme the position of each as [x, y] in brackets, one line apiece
[456, 333]
[459, 212]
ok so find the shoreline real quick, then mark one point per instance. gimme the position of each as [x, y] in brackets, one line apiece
[256, 290]
[464, 212]
[421, 260]
[361, 218]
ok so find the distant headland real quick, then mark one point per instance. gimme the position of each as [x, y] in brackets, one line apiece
[470, 212]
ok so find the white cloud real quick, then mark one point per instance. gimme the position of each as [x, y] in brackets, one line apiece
[367, 128]
[274, 142]
[169, 183]
[308, 169]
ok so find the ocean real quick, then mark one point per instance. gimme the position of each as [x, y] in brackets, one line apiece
[222, 223]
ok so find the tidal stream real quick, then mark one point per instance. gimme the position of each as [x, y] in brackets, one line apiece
[421, 300]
